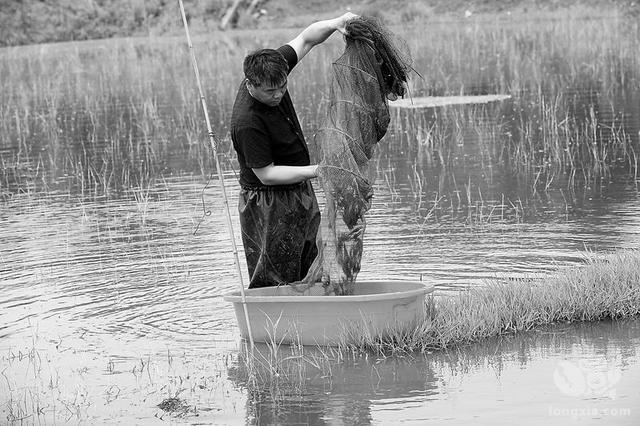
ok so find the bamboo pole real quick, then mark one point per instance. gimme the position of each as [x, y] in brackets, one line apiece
[214, 146]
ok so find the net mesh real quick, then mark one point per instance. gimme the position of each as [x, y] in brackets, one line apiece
[373, 68]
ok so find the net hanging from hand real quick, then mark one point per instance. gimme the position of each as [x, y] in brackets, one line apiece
[372, 68]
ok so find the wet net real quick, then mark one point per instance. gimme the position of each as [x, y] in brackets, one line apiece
[373, 68]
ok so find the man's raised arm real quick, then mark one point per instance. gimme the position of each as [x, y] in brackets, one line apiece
[318, 32]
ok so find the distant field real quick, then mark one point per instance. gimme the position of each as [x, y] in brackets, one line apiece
[33, 21]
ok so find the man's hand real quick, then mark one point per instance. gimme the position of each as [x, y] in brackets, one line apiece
[342, 22]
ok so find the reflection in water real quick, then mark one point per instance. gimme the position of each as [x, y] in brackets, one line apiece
[306, 386]
[586, 370]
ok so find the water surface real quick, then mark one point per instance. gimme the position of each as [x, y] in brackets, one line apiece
[115, 255]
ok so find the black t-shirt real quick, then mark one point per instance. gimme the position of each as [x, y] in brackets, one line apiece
[263, 134]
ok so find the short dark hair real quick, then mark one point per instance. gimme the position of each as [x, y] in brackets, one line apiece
[265, 66]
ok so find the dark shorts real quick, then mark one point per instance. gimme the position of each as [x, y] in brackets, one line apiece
[279, 226]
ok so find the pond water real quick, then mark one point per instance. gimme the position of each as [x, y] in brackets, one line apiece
[575, 373]
[112, 303]
[111, 306]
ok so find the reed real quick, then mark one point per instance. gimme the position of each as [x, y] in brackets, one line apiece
[516, 55]
[111, 113]
[604, 288]
[544, 135]
[545, 138]
[103, 116]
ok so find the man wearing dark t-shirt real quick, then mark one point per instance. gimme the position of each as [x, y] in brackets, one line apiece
[279, 215]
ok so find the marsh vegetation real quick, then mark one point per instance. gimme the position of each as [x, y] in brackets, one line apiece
[103, 173]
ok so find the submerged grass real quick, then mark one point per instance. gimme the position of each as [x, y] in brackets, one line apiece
[605, 287]
[53, 382]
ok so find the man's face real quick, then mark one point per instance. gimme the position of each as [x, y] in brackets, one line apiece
[267, 94]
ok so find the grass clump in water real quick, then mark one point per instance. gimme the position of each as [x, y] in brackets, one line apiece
[603, 288]
[176, 406]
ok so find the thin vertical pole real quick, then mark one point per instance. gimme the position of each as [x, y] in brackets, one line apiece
[214, 146]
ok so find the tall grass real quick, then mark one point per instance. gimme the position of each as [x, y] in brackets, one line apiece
[108, 115]
[548, 52]
[547, 141]
[569, 123]
[103, 116]
[604, 288]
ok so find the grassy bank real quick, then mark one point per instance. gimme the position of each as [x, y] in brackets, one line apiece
[604, 288]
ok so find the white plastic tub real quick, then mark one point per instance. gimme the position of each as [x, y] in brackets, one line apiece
[282, 315]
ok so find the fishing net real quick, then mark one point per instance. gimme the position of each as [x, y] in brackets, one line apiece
[372, 69]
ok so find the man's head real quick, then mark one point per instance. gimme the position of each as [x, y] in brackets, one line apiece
[265, 71]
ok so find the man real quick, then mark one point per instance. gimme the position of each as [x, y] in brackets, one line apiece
[279, 215]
